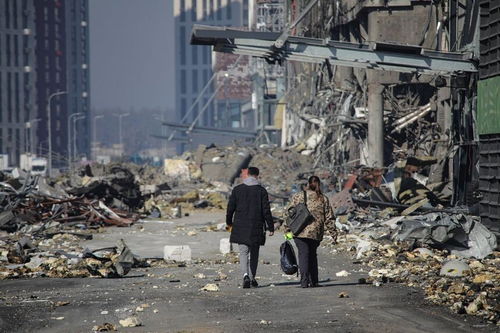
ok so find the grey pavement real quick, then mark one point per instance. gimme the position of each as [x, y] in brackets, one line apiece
[278, 305]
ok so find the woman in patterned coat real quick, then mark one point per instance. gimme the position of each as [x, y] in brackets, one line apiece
[308, 240]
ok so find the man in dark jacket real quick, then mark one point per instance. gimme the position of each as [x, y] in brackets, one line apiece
[249, 203]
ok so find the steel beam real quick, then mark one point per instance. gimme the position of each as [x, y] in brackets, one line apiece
[377, 56]
[199, 129]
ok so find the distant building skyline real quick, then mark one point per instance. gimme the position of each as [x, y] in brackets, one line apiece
[44, 49]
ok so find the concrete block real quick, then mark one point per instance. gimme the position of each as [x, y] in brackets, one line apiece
[177, 252]
[454, 268]
[225, 246]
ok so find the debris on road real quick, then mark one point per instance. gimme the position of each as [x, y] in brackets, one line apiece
[130, 322]
[106, 327]
[212, 287]
[343, 294]
[342, 274]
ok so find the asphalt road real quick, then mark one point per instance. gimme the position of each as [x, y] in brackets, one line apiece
[176, 303]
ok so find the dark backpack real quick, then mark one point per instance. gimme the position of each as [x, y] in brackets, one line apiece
[288, 260]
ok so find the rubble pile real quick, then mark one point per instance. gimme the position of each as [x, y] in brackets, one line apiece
[203, 179]
[450, 256]
[60, 256]
[41, 225]
[116, 187]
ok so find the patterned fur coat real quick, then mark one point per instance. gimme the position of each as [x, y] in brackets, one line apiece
[320, 208]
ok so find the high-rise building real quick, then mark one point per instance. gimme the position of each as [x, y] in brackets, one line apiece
[194, 63]
[17, 77]
[44, 49]
[62, 58]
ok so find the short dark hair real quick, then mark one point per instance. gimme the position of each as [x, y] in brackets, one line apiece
[253, 171]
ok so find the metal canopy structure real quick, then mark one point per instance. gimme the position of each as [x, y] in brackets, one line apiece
[375, 55]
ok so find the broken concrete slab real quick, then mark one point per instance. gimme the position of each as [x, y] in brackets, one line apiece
[454, 268]
[177, 252]
[225, 246]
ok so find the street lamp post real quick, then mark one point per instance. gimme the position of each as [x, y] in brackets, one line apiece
[69, 135]
[95, 126]
[49, 126]
[120, 116]
[74, 135]
[30, 142]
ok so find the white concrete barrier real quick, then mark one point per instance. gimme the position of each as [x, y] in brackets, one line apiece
[177, 252]
[225, 246]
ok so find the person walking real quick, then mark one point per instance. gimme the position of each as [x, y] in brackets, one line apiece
[249, 205]
[309, 238]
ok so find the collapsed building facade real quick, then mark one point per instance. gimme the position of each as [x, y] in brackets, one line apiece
[383, 84]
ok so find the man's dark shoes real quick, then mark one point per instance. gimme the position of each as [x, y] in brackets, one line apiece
[254, 283]
[246, 282]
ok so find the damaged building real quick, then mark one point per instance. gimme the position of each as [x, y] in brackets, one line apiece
[389, 86]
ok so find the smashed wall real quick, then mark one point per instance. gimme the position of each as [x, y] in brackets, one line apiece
[331, 110]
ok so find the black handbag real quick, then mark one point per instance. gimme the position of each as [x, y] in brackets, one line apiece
[288, 260]
[299, 217]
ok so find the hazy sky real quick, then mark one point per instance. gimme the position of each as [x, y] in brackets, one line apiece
[131, 54]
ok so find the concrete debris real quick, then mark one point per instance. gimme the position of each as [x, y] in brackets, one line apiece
[225, 246]
[454, 268]
[179, 253]
[464, 235]
[130, 322]
[180, 169]
[426, 251]
[106, 327]
[343, 294]
[212, 287]
[342, 274]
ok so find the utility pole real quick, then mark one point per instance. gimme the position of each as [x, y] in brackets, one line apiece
[69, 135]
[74, 135]
[49, 126]
[120, 137]
[95, 126]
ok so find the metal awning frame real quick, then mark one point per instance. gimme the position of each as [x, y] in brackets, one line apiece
[377, 56]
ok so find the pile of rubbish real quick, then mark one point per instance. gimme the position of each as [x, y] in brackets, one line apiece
[204, 178]
[60, 256]
[42, 223]
[451, 256]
